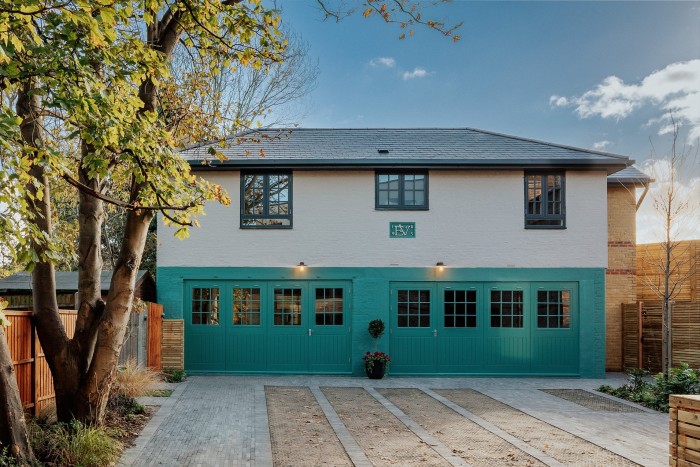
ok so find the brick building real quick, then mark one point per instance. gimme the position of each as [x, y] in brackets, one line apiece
[621, 275]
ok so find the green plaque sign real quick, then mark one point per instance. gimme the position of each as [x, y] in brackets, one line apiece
[402, 230]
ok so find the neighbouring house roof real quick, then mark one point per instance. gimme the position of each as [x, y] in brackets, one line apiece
[317, 148]
[66, 281]
[630, 176]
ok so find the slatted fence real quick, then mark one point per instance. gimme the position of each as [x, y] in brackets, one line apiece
[33, 375]
[684, 431]
[173, 344]
[642, 334]
[686, 270]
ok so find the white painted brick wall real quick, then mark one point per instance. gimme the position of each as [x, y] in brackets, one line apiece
[475, 220]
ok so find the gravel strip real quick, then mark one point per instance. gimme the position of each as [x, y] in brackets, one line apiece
[385, 440]
[299, 432]
[559, 444]
[466, 439]
[592, 401]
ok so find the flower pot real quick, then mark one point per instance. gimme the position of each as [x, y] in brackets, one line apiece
[377, 371]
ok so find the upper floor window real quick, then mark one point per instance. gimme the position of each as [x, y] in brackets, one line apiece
[266, 201]
[544, 201]
[401, 191]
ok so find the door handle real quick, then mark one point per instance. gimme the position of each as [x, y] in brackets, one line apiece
[434, 332]
[310, 331]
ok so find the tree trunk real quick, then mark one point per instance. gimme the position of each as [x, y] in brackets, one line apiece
[13, 429]
[95, 387]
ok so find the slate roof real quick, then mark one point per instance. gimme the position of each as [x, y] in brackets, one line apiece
[630, 176]
[66, 281]
[310, 148]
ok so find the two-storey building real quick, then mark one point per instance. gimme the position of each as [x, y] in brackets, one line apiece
[483, 253]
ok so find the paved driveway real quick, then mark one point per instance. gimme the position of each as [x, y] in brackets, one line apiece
[228, 421]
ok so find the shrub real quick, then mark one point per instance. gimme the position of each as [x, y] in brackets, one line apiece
[376, 328]
[174, 376]
[133, 381]
[6, 460]
[124, 405]
[75, 444]
[655, 394]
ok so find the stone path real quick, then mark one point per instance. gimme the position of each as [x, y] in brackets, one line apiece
[223, 421]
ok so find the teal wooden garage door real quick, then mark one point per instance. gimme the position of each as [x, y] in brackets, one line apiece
[265, 326]
[484, 328]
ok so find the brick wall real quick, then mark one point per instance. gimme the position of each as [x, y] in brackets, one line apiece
[621, 277]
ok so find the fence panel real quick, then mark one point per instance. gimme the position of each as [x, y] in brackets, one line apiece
[134, 347]
[684, 431]
[685, 335]
[155, 335]
[33, 374]
[173, 344]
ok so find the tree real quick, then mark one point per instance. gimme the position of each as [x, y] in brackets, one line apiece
[98, 75]
[13, 433]
[675, 206]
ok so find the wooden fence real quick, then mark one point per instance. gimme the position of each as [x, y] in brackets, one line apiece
[687, 270]
[684, 431]
[642, 334]
[33, 375]
[143, 338]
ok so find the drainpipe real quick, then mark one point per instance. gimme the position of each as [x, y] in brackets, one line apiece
[641, 198]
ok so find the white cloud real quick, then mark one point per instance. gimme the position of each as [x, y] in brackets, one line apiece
[674, 90]
[387, 62]
[650, 218]
[558, 101]
[416, 73]
[601, 145]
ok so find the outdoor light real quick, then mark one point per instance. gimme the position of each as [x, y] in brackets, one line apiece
[301, 265]
[440, 265]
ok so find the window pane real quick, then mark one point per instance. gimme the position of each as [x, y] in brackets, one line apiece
[205, 305]
[507, 309]
[544, 206]
[553, 309]
[246, 306]
[401, 190]
[413, 308]
[460, 306]
[329, 306]
[266, 200]
[287, 307]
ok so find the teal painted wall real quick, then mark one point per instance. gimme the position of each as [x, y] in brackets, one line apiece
[371, 297]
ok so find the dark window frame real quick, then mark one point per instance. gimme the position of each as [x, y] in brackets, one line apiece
[266, 202]
[531, 220]
[402, 206]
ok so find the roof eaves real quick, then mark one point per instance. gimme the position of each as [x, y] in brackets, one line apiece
[349, 164]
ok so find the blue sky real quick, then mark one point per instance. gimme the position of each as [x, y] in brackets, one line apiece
[513, 58]
[599, 75]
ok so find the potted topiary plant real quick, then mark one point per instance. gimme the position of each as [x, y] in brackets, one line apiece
[376, 363]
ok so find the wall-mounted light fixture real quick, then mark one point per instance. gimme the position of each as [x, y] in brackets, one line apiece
[440, 265]
[301, 265]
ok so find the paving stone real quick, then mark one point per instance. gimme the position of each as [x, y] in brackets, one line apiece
[223, 420]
